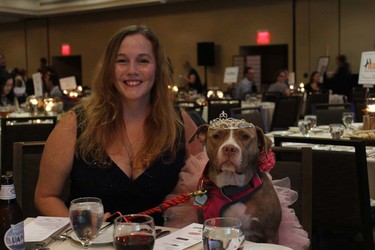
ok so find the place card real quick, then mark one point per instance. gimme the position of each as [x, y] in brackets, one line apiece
[44, 226]
[181, 239]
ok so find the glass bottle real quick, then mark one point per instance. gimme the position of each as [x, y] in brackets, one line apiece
[11, 220]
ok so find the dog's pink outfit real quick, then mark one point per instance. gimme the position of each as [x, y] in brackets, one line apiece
[291, 233]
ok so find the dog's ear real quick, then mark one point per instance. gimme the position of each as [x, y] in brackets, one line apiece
[200, 134]
[263, 141]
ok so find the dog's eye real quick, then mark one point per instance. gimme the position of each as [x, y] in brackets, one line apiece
[245, 137]
[216, 136]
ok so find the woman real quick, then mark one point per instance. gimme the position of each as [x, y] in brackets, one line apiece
[6, 86]
[280, 85]
[126, 144]
[314, 86]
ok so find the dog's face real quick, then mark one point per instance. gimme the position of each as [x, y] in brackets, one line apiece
[233, 153]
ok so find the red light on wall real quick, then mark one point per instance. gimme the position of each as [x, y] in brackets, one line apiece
[65, 49]
[263, 37]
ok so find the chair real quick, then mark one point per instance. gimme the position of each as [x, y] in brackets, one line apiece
[286, 113]
[22, 129]
[26, 161]
[216, 106]
[341, 212]
[295, 163]
[255, 115]
[315, 99]
[330, 113]
[271, 96]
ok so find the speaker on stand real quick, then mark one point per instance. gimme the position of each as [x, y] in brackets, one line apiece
[206, 57]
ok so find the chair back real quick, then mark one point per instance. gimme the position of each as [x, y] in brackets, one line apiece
[254, 115]
[271, 96]
[330, 113]
[216, 106]
[295, 163]
[21, 130]
[26, 161]
[340, 194]
[286, 113]
[315, 99]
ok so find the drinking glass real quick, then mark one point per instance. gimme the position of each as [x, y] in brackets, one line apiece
[312, 119]
[134, 231]
[86, 218]
[223, 233]
[304, 127]
[336, 130]
[348, 119]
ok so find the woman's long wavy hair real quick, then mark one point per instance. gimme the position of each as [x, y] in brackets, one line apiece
[103, 118]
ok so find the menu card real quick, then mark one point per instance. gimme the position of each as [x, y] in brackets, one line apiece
[181, 239]
[42, 227]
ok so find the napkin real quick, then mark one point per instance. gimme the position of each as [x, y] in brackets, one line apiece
[43, 227]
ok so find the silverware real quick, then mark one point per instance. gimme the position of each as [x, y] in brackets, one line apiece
[161, 233]
[106, 226]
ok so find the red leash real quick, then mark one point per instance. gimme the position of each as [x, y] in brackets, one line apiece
[185, 197]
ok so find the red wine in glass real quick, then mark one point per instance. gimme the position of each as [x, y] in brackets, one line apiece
[135, 241]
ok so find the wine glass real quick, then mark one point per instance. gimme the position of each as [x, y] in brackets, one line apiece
[86, 218]
[348, 119]
[304, 127]
[312, 119]
[134, 231]
[222, 233]
[336, 130]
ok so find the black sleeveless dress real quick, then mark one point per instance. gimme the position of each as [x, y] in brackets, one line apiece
[118, 192]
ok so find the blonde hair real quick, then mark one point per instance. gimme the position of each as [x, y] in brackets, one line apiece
[103, 119]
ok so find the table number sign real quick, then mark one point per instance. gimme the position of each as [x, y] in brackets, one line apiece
[231, 75]
[38, 84]
[367, 69]
[68, 83]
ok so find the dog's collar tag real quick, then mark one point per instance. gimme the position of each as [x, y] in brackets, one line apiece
[200, 200]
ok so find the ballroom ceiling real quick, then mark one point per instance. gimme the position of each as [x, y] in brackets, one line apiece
[11, 10]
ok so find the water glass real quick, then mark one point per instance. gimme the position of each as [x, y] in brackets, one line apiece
[134, 231]
[336, 130]
[86, 218]
[223, 233]
[304, 127]
[348, 119]
[312, 119]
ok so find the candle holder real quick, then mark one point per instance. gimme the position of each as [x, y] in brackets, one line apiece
[369, 116]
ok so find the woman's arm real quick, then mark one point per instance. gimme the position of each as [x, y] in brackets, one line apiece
[55, 167]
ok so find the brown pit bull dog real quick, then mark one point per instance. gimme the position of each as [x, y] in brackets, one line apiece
[233, 177]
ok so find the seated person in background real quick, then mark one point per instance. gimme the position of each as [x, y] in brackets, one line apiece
[280, 85]
[53, 85]
[247, 84]
[314, 86]
[6, 87]
[125, 144]
[192, 78]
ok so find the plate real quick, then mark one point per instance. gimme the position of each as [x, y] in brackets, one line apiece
[294, 129]
[264, 246]
[282, 133]
[324, 127]
[104, 238]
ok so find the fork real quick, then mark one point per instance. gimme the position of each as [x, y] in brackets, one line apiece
[63, 236]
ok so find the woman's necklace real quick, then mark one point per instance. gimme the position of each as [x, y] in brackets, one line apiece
[128, 148]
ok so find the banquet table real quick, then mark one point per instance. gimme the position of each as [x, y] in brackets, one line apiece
[71, 244]
[325, 134]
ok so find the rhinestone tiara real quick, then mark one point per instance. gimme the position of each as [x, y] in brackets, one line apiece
[223, 122]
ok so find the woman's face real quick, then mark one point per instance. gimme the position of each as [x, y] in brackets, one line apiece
[8, 86]
[281, 78]
[135, 68]
[316, 77]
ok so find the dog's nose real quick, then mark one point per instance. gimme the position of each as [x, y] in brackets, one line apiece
[230, 149]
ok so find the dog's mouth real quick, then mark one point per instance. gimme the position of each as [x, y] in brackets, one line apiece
[230, 167]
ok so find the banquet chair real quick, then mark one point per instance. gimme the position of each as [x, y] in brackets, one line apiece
[341, 211]
[216, 106]
[255, 115]
[271, 96]
[296, 164]
[26, 161]
[331, 113]
[286, 113]
[22, 129]
[315, 99]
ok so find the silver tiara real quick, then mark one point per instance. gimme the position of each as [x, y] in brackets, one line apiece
[223, 122]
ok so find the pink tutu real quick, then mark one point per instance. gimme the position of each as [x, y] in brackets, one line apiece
[291, 233]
